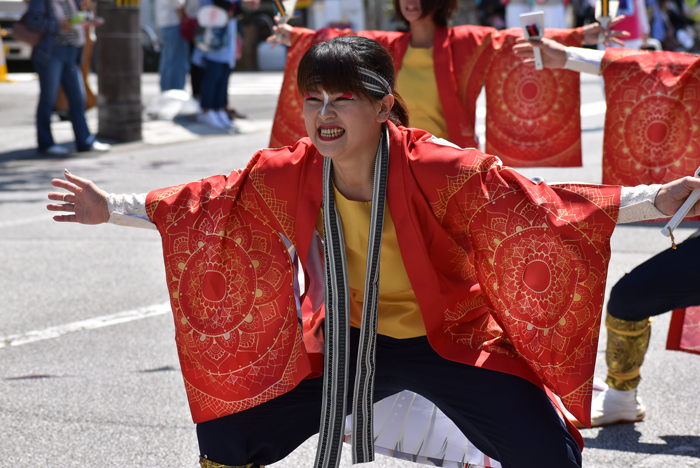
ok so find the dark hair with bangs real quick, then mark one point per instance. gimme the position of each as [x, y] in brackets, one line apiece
[442, 10]
[333, 67]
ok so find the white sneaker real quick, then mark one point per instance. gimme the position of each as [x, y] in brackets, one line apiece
[100, 147]
[211, 118]
[616, 406]
[56, 150]
[223, 117]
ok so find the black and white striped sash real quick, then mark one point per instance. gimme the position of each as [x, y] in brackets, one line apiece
[337, 324]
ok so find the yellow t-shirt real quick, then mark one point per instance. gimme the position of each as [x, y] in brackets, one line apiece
[417, 86]
[399, 314]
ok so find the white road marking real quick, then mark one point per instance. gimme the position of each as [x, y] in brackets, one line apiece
[89, 324]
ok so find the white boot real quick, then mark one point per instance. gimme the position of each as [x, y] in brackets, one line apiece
[614, 406]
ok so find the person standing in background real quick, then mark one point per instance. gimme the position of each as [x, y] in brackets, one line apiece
[215, 52]
[196, 72]
[56, 59]
[441, 72]
[61, 106]
[174, 56]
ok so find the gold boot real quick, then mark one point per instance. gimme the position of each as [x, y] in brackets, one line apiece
[627, 344]
[206, 463]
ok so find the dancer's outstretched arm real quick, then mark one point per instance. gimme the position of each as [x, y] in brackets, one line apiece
[88, 204]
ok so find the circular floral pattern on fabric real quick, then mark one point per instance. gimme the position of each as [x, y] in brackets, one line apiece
[530, 96]
[656, 131]
[231, 282]
[216, 287]
[533, 116]
[533, 258]
[540, 254]
[652, 122]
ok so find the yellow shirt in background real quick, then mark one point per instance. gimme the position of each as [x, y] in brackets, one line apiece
[399, 314]
[417, 86]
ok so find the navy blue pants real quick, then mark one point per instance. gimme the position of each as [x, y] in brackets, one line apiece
[667, 281]
[506, 417]
[215, 85]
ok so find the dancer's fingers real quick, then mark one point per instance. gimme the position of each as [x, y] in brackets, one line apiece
[65, 218]
[79, 181]
[70, 207]
[65, 185]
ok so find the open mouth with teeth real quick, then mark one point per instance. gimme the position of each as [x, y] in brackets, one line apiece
[330, 133]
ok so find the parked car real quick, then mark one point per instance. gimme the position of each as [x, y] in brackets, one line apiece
[10, 12]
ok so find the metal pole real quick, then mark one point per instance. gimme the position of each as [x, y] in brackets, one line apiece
[119, 68]
[372, 20]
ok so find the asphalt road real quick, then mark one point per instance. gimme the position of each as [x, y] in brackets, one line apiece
[92, 377]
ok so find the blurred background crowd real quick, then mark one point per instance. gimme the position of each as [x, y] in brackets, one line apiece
[674, 23]
[177, 46]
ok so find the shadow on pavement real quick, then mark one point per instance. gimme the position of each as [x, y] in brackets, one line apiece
[34, 155]
[30, 153]
[38, 180]
[154, 133]
[625, 438]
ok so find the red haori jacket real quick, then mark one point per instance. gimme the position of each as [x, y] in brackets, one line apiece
[684, 330]
[509, 274]
[532, 119]
[652, 123]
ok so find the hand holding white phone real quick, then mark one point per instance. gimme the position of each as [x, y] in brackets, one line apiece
[533, 28]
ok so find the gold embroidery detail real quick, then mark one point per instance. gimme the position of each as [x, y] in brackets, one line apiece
[206, 463]
[160, 196]
[456, 182]
[627, 345]
[277, 206]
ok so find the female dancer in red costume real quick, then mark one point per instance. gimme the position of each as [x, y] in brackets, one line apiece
[489, 293]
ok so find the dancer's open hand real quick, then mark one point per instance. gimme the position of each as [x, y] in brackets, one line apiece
[592, 32]
[85, 202]
[281, 34]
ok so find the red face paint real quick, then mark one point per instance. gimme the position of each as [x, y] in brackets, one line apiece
[346, 96]
[308, 96]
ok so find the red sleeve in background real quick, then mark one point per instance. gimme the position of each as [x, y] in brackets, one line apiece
[652, 123]
[684, 331]
[533, 117]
